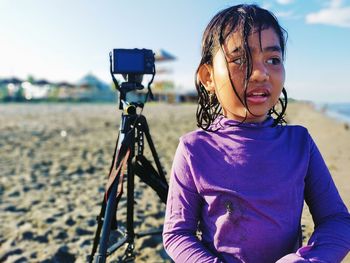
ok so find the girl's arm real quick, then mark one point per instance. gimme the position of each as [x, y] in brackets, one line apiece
[182, 214]
[330, 241]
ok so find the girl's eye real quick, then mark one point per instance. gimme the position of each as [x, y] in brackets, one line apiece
[238, 61]
[274, 61]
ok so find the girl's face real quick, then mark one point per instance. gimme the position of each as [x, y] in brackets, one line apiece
[264, 85]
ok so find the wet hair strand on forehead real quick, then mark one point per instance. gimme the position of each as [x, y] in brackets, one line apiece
[243, 19]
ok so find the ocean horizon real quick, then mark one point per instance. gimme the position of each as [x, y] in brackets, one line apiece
[338, 111]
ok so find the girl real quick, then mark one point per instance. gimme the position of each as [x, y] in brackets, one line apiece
[238, 184]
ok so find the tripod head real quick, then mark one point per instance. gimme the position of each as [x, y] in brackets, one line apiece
[133, 64]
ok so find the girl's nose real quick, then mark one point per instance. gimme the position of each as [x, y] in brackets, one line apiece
[259, 72]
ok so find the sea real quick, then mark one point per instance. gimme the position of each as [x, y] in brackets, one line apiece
[339, 111]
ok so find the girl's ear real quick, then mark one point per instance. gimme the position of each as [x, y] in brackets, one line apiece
[206, 77]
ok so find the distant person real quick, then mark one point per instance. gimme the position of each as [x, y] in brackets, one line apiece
[238, 184]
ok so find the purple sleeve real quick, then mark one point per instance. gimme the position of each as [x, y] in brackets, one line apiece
[182, 213]
[330, 241]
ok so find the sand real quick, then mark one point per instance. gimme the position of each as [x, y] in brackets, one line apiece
[55, 159]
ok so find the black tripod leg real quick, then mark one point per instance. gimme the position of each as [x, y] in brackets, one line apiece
[146, 172]
[102, 212]
[101, 256]
[98, 231]
[129, 254]
[145, 129]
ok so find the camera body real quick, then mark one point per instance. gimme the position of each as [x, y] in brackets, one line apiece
[133, 61]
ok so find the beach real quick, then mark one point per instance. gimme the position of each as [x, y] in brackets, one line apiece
[55, 159]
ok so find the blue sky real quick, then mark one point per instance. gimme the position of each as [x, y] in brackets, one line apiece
[64, 39]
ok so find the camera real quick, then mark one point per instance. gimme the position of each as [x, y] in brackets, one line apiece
[132, 64]
[133, 61]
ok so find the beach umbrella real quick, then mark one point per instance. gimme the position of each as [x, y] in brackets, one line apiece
[42, 82]
[12, 80]
[64, 84]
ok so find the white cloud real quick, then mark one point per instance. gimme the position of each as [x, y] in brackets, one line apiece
[266, 5]
[284, 2]
[335, 3]
[286, 14]
[334, 15]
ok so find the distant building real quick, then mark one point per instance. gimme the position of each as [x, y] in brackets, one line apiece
[36, 90]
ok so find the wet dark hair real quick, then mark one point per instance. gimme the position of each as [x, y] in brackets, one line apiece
[243, 19]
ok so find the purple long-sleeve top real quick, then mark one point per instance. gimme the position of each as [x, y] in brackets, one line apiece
[237, 195]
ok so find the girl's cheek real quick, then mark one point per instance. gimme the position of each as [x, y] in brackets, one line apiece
[280, 71]
[283, 75]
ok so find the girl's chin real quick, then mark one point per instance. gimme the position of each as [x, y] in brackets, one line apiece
[254, 113]
[256, 116]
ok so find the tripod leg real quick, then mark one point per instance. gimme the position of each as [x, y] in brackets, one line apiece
[129, 254]
[144, 169]
[98, 231]
[130, 203]
[101, 256]
[145, 129]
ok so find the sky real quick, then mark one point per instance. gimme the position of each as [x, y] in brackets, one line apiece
[63, 40]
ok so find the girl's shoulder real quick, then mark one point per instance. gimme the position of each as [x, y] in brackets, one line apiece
[196, 136]
[197, 141]
[296, 128]
[297, 134]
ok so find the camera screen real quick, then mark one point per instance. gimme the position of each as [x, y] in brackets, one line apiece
[127, 61]
[133, 61]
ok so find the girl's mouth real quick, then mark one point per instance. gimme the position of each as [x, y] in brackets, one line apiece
[257, 97]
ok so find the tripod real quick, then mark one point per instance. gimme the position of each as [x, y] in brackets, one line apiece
[128, 160]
